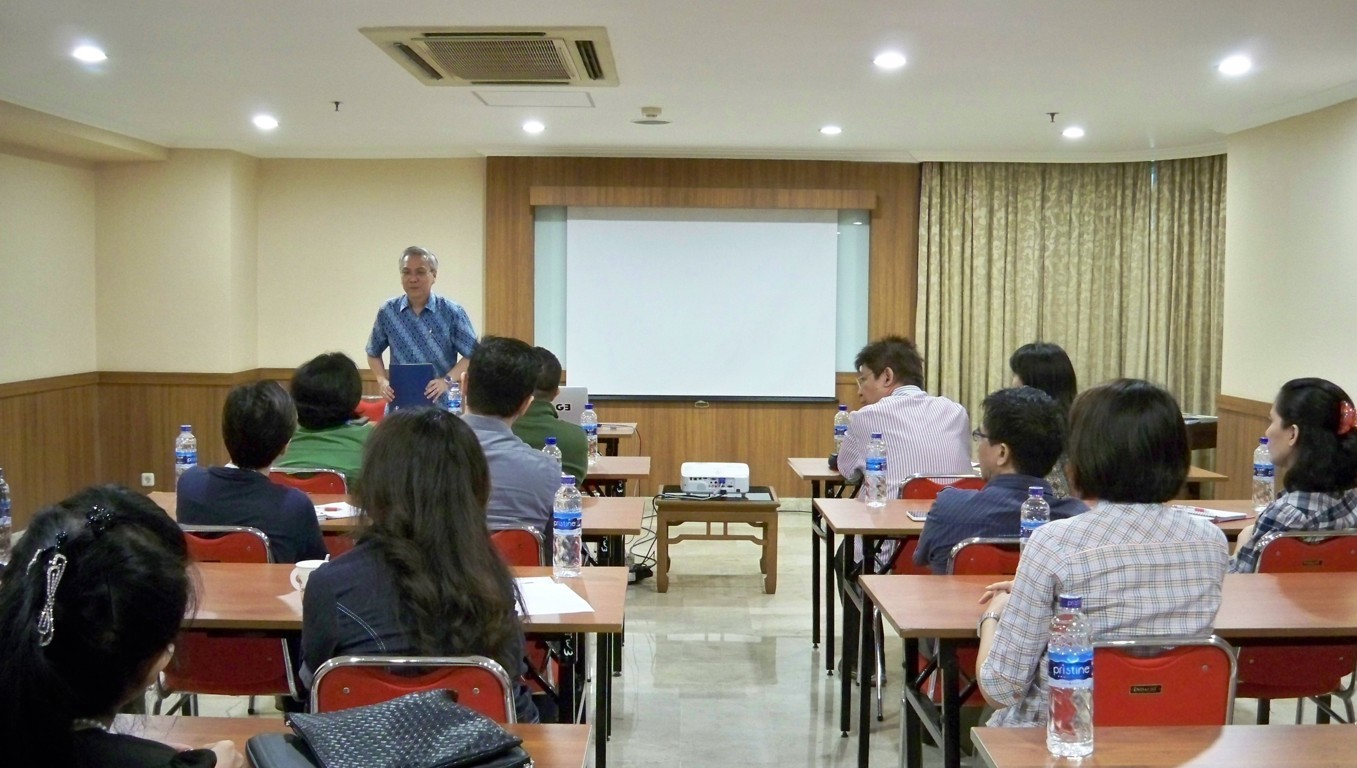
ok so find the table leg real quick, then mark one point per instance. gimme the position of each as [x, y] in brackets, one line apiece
[603, 700]
[661, 551]
[617, 557]
[831, 565]
[911, 727]
[866, 649]
[951, 704]
[814, 574]
[770, 553]
[850, 635]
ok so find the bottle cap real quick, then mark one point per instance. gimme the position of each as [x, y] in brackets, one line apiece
[588, 406]
[1262, 441]
[1036, 490]
[185, 427]
[1071, 601]
[567, 479]
[876, 435]
[551, 441]
[843, 407]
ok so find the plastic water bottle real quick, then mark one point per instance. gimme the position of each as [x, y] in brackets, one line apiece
[1069, 725]
[1035, 512]
[6, 522]
[589, 423]
[1263, 490]
[185, 451]
[566, 518]
[454, 398]
[840, 427]
[554, 451]
[874, 472]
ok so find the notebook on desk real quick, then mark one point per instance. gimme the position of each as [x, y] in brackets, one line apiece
[409, 382]
[570, 403]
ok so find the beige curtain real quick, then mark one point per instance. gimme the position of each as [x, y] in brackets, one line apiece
[1122, 264]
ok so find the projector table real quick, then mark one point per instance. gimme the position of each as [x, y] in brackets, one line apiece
[761, 515]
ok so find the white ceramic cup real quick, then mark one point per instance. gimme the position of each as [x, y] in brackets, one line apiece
[303, 572]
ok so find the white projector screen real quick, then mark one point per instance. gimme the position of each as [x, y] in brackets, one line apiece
[701, 303]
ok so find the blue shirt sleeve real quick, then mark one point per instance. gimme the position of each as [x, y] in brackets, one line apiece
[377, 341]
[463, 334]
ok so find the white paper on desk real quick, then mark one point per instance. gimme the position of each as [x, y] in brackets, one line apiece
[544, 595]
[336, 510]
[1218, 515]
[293, 599]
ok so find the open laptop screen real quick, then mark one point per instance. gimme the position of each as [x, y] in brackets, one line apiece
[570, 403]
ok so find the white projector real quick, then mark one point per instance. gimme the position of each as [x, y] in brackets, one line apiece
[714, 477]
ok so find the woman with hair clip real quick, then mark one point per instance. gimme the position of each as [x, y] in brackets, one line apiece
[89, 608]
[424, 578]
[1314, 449]
[1047, 367]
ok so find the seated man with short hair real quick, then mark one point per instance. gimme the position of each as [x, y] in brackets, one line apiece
[327, 390]
[498, 385]
[541, 421]
[256, 423]
[1022, 436]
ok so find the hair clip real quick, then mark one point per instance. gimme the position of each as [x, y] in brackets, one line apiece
[46, 628]
[45, 551]
[99, 519]
[1346, 416]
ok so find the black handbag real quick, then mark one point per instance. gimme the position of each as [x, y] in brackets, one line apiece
[418, 730]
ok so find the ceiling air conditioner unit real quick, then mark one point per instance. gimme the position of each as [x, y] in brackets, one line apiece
[501, 56]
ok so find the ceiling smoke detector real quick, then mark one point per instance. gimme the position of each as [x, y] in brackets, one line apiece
[650, 116]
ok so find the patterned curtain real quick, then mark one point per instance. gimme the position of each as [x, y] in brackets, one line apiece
[1122, 264]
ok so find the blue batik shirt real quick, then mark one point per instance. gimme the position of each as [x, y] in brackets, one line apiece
[437, 335]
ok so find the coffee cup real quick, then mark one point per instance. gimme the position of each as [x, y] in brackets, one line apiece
[303, 572]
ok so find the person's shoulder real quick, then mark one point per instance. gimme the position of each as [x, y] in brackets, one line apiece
[1067, 507]
[952, 502]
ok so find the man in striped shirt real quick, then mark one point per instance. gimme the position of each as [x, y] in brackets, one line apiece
[924, 434]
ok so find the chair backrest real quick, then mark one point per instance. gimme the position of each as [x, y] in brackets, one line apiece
[227, 544]
[520, 545]
[353, 681]
[372, 407]
[309, 480]
[1163, 681]
[993, 556]
[929, 486]
[1309, 552]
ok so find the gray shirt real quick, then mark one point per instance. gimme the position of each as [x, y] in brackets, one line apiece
[523, 481]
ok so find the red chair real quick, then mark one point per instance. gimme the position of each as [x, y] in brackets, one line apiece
[1301, 671]
[226, 666]
[925, 487]
[372, 407]
[525, 546]
[995, 556]
[1163, 681]
[309, 480]
[355, 681]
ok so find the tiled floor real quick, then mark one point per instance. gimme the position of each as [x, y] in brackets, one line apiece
[717, 674]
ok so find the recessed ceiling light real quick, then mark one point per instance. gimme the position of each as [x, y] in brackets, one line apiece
[534, 126]
[89, 54]
[265, 122]
[1073, 132]
[889, 60]
[831, 130]
[1235, 66]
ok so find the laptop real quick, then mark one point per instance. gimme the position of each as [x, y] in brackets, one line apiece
[570, 403]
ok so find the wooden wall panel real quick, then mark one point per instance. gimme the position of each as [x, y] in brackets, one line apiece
[760, 434]
[1242, 422]
[48, 440]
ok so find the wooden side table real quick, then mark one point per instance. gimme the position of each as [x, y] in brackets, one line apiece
[762, 515]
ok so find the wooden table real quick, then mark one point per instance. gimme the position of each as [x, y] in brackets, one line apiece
[1253, 607]
[1197, 477]
[817, 471]
[759, 514]
[1238, 746]
[551, 746]
[610, 473]
[256, 597]
[610, 435]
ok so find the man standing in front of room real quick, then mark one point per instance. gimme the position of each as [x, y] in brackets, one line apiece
[924, 434]
[420, 327]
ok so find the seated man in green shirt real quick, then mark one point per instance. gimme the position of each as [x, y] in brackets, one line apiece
[327, 390]
[541, 421]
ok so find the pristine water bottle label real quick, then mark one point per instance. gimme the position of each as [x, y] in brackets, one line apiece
[876, 464]
[1262, 470]
[1073, 667]
[1028, 526]
[590, 429]
[840, 430]
[566, 521]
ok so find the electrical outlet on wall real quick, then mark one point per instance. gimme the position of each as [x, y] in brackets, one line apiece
[147, 479]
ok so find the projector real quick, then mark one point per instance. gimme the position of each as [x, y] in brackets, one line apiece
[714, 477]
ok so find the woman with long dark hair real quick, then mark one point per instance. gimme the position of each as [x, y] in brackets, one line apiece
[424, 578]
[90, 605]
[1047, 367]
[1314, 451]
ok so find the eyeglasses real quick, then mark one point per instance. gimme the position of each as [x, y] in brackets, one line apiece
[977, 435]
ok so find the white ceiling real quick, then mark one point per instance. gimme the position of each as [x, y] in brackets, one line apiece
[738, 78]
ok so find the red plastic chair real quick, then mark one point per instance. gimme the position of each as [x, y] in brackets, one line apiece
[309, 480]
[1163, 681]
[355, 681]
[372, 407]
[926, 487]
[225, 666]
[1301, 671]
[525, 546]
[995, 556]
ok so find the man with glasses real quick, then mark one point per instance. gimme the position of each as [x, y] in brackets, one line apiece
[1022, 436]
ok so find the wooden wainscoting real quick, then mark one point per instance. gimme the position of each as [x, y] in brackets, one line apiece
[1242, 422]
[49, 440]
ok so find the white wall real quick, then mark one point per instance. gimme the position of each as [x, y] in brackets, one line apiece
[47, 267]
[1291, 254]
[330, 236]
